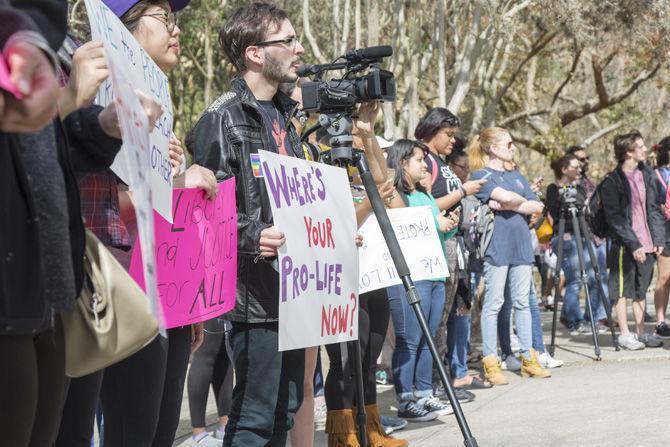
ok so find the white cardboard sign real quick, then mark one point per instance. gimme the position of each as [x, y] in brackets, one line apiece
[318, 264]
[415, 229]
[124, 52]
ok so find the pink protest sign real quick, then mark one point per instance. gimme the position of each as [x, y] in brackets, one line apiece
[196, 256]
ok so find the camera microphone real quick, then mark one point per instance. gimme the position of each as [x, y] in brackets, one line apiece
[369, 53]
[307, 70]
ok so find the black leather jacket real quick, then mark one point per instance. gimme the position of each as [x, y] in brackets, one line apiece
[616, 198]
[222, 140]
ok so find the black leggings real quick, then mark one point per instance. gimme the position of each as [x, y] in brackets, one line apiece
[373, 320]
[76, 425]
[210, 365]
[141, 395]
[32, 387]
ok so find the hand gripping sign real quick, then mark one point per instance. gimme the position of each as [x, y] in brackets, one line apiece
[318, 264]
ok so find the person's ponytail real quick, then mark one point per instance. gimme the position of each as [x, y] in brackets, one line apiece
[477, 158]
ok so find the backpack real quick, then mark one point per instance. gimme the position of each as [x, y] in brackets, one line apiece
[594, 212]
[666, 203]
[482, 230]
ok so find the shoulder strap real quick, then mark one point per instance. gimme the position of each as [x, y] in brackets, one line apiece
[433, 169]
[660, 178]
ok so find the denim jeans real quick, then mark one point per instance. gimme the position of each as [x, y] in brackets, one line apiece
[513, 282]
[505, 323]
[268, 387]
[412, 364]
[570, 265]
[458, 342]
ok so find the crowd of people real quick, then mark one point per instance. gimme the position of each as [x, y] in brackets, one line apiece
[493, 225]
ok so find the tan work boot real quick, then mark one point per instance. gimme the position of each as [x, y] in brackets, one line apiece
[492, 371]
[377, 437]
[532, 367]
[341, 429]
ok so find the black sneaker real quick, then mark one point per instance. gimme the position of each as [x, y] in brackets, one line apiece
[435, 405]
[662, 331]
[648, 318]
[415, 413]
[463, 396]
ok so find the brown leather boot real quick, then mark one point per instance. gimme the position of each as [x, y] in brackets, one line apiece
[341, 429]
[377, 437]
[492, 371]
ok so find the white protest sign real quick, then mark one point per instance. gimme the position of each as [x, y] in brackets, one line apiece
[318, 264]
[415, 229]
[125, 53]
[134, 129]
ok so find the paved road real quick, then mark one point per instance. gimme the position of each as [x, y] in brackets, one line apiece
[620, 401]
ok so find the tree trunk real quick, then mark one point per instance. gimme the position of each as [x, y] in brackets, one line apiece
[441, 55]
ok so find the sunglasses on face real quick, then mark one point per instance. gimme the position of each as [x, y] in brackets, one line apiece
[583, 159]
[169, 20]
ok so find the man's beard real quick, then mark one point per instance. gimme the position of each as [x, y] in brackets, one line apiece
[274, 71]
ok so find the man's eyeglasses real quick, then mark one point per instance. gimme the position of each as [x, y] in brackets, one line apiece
[289, 42]
[583, 159]
[169, 20]
[510, 144]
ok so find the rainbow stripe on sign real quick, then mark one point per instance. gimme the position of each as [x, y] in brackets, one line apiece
[256, 165]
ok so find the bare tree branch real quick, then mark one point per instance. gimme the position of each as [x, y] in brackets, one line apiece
[568, 78]
[601, 133]
[525, 114]
[596, 105]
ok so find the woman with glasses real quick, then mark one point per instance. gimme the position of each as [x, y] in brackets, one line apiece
[141, 396]
[509, 256]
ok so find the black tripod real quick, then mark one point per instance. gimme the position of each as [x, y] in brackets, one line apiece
[343, 154]
[570, 209]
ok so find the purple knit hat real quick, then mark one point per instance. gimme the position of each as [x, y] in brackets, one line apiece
[120, 7]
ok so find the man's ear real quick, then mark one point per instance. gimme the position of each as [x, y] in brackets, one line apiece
[254, 56]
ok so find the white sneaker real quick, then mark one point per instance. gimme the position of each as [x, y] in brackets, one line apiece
[207, 440]
[547, 361]
[511, 363]
[630, 342]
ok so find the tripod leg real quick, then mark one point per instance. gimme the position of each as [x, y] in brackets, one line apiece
[354, 348]
[584, 277]
[604, 299]
[557, 281]
[412, 295]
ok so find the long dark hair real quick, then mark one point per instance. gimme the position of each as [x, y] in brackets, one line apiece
[662, 150]
[402, 150]
[434, 120]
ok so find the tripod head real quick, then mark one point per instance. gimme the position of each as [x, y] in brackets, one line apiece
[570, 199]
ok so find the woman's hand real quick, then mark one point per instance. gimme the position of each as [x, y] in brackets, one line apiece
[89, 71]
[33, 75]
[200, 177]
[176, 155]
[365, 121]
[386, 191]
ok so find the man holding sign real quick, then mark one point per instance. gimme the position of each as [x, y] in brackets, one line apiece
[262, 44]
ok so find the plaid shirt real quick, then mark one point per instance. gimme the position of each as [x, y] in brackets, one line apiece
[100, 209]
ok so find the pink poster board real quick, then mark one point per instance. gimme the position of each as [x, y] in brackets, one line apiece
[196, 256]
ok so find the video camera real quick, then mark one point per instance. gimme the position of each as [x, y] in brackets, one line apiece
[342, 95]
